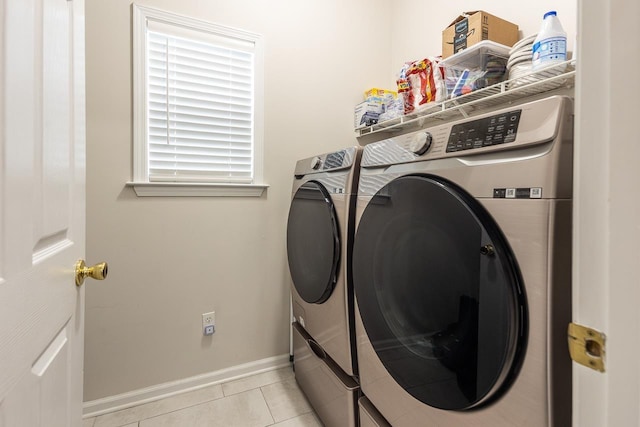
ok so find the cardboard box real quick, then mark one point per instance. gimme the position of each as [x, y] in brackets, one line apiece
[473, 27]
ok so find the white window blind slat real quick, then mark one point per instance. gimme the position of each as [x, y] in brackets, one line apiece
[207, 90]
[189, 164]
[158, 138]
[216, 151]
[199, 119]
[206, 131]
[190, 146]
[182, 99]
[196, 162]
[187, 135]
[204, 60]
[191, 71]
[200, 110]
[221, 130]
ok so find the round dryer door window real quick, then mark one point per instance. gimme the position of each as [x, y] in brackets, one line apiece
[313, 243]
[439, 293]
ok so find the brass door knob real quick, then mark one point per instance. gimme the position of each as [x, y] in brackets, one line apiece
[98, 271]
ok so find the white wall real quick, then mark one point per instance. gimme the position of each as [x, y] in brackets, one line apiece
[172, 259]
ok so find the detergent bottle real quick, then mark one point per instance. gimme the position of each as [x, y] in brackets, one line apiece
[550, 46]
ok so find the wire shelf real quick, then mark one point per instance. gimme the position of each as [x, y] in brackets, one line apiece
[557, 76]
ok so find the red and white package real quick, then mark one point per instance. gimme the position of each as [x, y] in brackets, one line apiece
[421, 82]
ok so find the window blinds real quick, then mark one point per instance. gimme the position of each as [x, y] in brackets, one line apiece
[200, 110]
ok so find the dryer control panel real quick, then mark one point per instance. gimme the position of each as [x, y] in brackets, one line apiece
[334, 160]
[340, 160]
[491, 134]
[499, 129]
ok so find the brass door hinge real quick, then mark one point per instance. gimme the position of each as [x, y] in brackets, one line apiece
[587, 346]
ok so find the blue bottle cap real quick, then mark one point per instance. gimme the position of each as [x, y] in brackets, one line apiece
[550, 13]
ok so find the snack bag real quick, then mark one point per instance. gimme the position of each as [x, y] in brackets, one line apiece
[421, 82]
[404, 89]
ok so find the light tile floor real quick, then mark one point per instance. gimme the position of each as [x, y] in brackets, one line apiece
[267, 399]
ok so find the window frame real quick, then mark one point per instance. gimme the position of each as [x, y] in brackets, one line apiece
[142, 15]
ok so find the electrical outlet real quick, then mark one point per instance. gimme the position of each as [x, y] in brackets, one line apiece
[208, 323]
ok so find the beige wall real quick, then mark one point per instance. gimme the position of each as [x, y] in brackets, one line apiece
[172, 259]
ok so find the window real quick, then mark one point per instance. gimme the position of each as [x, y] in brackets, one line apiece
[197, 107]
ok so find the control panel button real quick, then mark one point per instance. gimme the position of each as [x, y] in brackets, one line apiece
[315, 162]
[420, 143]
[494, 130]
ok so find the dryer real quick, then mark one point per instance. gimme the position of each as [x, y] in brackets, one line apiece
[462, 270]
[319, 243]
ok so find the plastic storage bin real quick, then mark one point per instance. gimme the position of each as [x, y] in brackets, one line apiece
[484, 64]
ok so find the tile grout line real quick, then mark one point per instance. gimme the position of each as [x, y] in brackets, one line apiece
[310, 411]
[297, 416]
[279, 380]
[268, 407]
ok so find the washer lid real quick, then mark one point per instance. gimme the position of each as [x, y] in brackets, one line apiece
[439, 293]
[313, 243]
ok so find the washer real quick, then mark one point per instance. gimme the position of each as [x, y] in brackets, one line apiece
[319, 243]
[462, 270]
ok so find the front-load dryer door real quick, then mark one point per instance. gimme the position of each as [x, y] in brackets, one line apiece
[439, 293]
[313, 243]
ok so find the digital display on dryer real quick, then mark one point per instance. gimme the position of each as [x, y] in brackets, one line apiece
[494, 130]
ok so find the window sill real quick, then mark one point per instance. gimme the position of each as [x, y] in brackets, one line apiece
[180, 189]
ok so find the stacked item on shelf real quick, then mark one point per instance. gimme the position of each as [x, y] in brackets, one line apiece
[482, 65]
[420, 83]
[521, 55]
[545, 51]
[520, 60]
[522, 72]
[382, 96]
[391, 102]
[470, 28]
[376, 103]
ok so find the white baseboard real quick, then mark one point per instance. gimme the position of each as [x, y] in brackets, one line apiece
[149, 394]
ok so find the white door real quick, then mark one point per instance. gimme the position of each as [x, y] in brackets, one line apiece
[607, 210]
[42, 225]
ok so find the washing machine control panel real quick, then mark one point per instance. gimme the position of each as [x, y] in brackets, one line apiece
[334, 160]
[499, 129]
